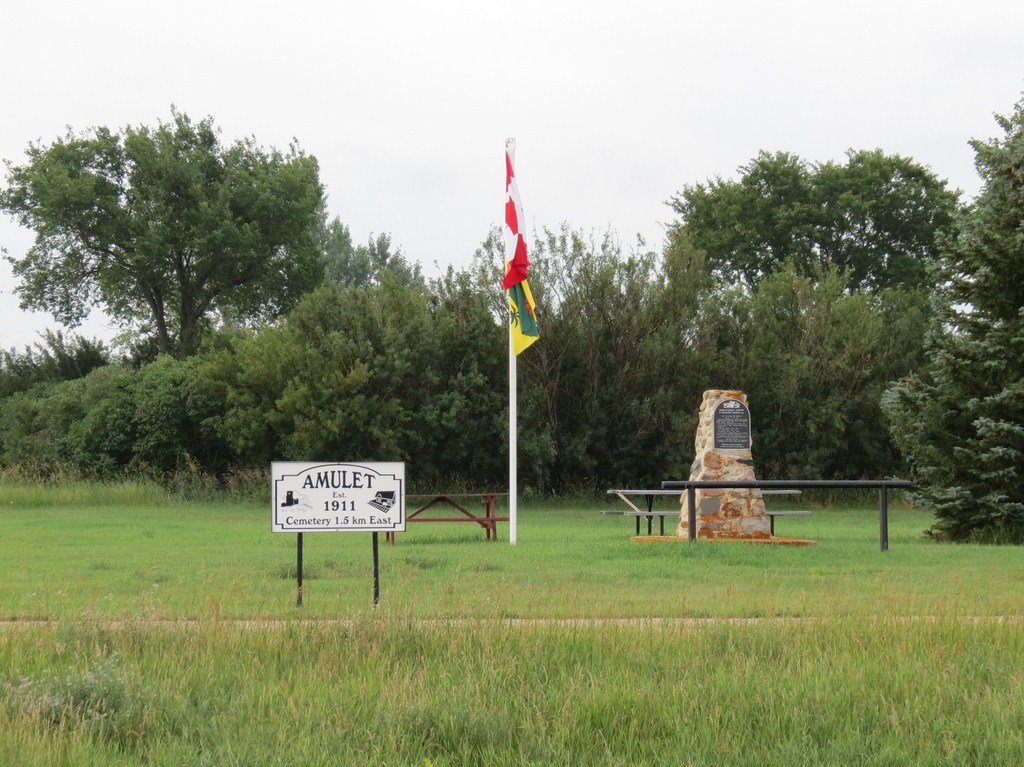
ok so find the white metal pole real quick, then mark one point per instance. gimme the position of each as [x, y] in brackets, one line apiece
[513, 442]
[513, 446]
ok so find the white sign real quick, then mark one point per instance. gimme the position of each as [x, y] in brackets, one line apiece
[337, 497]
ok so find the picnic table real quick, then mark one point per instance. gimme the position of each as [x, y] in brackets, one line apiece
[458, 502]
[651, 513]
[634, 511]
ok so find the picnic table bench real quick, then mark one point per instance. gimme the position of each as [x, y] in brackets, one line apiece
[772, 514]
[650, 494]
[650, 513]
[458, 502]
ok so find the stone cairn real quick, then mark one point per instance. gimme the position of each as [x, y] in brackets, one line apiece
[723, 453]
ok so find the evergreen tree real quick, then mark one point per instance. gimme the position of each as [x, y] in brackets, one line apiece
[961, 422]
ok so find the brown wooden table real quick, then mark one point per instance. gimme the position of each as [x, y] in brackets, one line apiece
[458, 502]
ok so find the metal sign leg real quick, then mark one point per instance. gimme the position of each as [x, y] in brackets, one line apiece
[883, 517]
[376, 571]
[298, 570]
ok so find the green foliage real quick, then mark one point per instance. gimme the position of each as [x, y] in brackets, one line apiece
[162, 418]
[465, 419]
[960, 421]
[175, 418]
[35, 425]
[54, 359]
[804, 285]
[363, 265]
[876, 219]
[602, 392]
[368, 374]
[823, 299]
[813, 359]
[165, 228]
[809, 350]
[393, 371]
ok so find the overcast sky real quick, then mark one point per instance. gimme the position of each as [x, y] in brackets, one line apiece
[615, 106]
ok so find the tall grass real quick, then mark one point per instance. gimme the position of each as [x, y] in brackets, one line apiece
[389, 690]
[23, 487]
[20, 492]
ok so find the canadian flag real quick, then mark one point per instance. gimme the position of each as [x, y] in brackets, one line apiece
[515, 244]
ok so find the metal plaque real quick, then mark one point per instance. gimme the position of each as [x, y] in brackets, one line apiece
[732, 426]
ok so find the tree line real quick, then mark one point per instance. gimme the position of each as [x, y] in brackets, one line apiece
[413, 371]
[832, 293]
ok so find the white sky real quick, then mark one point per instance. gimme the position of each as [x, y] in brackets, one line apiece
[615, 106]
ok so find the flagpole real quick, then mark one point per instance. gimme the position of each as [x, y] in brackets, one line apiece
[522, 321]
[513, 446]
[513, 428]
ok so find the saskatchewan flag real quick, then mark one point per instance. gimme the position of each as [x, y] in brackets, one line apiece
[522, 312]
[524, 320]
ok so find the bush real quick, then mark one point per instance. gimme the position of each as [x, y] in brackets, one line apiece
[162, 418]
[98, 699]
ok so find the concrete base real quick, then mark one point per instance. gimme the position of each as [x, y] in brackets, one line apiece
[776, 541]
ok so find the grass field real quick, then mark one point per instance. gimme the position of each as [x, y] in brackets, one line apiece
[139, 631]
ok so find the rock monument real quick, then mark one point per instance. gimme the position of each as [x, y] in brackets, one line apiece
[723, 453]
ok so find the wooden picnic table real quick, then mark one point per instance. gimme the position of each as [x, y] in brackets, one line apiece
[458, 502]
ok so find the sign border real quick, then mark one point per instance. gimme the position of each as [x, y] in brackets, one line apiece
[394, 471]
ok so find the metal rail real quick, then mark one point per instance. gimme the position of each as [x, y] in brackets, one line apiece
[690, 486]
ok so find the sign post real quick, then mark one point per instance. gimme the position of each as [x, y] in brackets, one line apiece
[322, 497]
[376, 570]
[298, 570]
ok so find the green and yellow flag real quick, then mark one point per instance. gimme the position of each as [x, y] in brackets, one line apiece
[522, 316]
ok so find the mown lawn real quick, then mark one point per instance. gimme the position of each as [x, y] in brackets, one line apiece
[180, 561]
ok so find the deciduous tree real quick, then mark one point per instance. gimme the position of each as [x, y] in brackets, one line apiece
[875, 218]
[165, 228]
